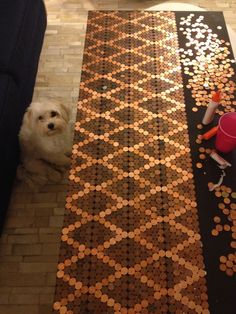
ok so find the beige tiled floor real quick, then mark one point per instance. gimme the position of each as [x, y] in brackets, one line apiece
[30, 242]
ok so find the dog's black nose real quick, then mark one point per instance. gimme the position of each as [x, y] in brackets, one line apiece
[51, 126]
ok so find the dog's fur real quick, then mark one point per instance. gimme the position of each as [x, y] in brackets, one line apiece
[45, 140]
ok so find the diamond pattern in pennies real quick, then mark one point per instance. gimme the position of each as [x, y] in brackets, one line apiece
[130, 241]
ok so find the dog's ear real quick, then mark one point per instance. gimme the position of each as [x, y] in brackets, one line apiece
[65, 111]
[27, 116]
[25, 129]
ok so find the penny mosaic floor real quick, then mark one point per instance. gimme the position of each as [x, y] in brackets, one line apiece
[131, 241]
[116, 140]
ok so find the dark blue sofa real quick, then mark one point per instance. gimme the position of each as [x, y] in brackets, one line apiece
[22, 28]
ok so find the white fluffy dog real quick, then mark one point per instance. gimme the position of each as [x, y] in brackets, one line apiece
[45, 140]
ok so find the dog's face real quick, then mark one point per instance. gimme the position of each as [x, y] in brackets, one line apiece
[47, 118]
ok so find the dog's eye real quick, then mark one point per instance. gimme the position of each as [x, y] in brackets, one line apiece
[53, 114]
[40, 118]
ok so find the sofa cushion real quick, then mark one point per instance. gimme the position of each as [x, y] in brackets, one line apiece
[22, 27]
[27, 85]
[9, 124]
[18, 22]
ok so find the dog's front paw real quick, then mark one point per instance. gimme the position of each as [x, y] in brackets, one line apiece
[63, 161]
[61, 169]
[67, 163]
[55, 176]
[67, 160]
[68, 153]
